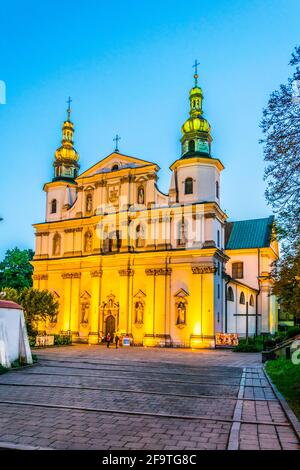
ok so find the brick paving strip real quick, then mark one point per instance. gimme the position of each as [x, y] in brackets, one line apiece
[262, 435]
[72, 415]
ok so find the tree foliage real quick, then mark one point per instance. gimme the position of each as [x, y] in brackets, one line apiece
[281, 128]
[16, 270]
[287, 282]
[38, 305]
[281, 143]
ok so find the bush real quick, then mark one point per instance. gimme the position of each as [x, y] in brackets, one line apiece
[31, 340]
[2, 369]
[252, 346]
[62, 340]
[293, 331]
[243, 347]
[270, 343]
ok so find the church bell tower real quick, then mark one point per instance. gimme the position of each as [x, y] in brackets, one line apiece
[66, 158]
[196, 139]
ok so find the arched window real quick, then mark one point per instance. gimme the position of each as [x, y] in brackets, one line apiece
[230, 295]
[105, 240]
[115, 167]
[139, 236]
[53, 206]
[238, 270]
[191, 146]
[217, 189]
[56, 247]
[89, 203]
[242, 298]
[251, 301]
[188, 186]
[114, 242]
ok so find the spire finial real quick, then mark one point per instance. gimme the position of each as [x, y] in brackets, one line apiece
[195, 66]
[69, 101]
[116, 139]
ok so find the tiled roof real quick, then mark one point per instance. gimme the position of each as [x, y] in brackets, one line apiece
[255, 233]
[9, 304]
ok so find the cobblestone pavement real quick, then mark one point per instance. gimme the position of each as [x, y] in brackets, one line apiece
[91, 397]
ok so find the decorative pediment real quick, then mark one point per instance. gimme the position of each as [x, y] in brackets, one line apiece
[123, 161]
[85, 296]
[181, 293]
[140, 294]
[141, 179]
[110, 303]
[89, 188]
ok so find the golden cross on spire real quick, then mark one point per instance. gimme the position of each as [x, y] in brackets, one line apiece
[116, 139]
[195, 66]
[69, 101]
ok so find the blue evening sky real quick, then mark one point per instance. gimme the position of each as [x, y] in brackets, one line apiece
[128, 67]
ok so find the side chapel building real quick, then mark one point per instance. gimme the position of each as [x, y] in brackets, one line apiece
[121, 256]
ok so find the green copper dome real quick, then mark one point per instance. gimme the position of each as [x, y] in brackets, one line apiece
[195, 124]
[196, 138]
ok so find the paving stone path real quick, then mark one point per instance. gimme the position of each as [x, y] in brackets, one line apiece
[91, 397]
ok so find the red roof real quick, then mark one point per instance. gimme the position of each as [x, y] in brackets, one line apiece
[10, 304]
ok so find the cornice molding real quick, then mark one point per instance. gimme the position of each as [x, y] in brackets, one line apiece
[158, 271]
[97, 273]
[126, 272]
[71, 275]
[40, 277]
[204, 269]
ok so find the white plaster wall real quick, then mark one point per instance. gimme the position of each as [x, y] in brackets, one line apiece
[204, 179]
[250, 260]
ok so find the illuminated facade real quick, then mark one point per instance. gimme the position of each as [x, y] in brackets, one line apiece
[121, 256]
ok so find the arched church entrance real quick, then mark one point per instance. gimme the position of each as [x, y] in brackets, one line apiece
[109, 314]
[110, 325]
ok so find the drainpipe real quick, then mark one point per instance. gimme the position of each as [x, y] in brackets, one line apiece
[256, 305]
[176, 185]
[226, 284]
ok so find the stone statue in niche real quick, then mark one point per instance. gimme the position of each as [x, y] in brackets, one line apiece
[85, 312]
[88, 242]
[181, 312]
[89, 203]
[56, 244]
[141, 195]
[139, 312]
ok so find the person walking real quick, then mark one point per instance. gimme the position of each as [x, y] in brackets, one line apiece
[117, 339]
[108, 339]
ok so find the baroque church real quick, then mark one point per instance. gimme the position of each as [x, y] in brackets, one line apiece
[120, 256]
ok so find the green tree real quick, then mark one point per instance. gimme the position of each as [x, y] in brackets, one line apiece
[16, 270]
[38, 305]
[286, 276]
[281, 146]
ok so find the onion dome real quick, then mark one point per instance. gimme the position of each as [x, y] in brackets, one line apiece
[196, 138]
[66, 157]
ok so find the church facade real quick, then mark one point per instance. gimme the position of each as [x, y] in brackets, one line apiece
[121, 256]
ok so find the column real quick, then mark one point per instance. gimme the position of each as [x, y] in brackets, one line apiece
[126, 295]
[66, 307]
[202, 301]
[95, 302]
[75, 292]
[149, 319]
